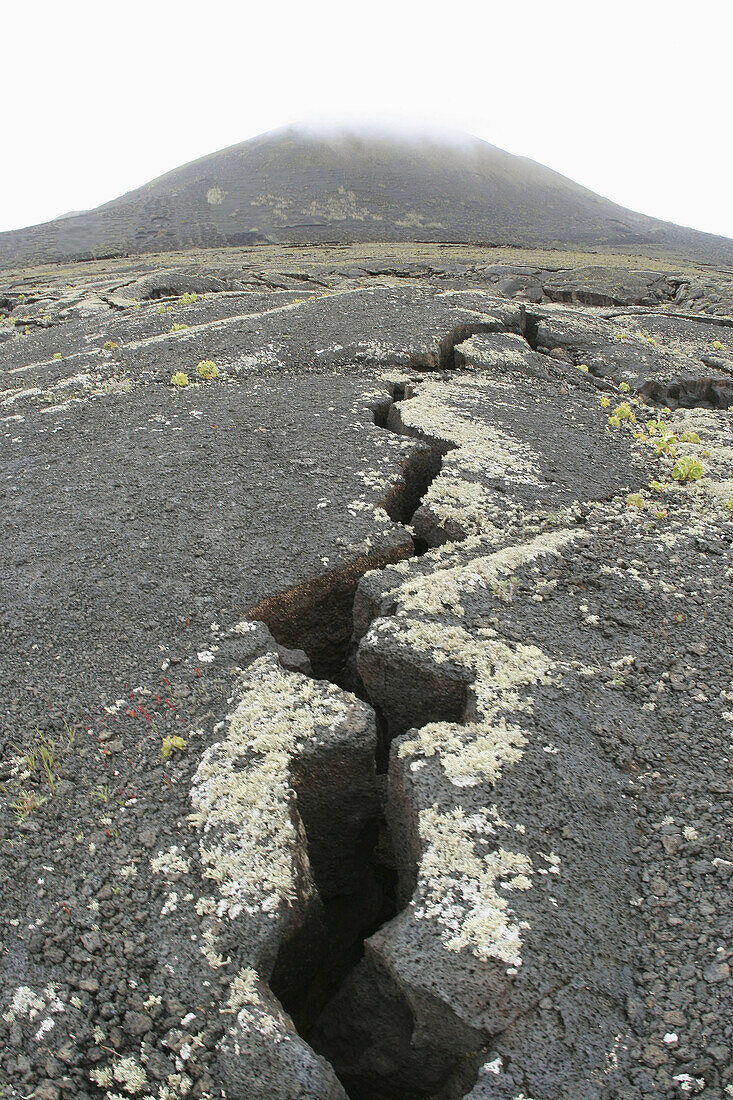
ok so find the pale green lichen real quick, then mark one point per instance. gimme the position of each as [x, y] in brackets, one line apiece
[443, 589]
[475, 752]
[436, 412]
[171, 863]
[459, 885]
[242, 795]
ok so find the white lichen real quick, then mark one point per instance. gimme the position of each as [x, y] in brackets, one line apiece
[242, 796]
[459, 885]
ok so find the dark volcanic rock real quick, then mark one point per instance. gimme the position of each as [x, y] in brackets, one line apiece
[366, 696]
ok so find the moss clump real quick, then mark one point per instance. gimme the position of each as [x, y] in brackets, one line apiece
[179, 379]
[207, 370]
[622, 412]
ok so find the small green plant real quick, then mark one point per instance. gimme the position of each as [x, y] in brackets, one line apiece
[165, 309]
[172, 744]
[26, 803]
[179, 379]
[605, 402]
[30, 757]
[657, 486]
[625, 412]
[728, 505]
[110, 345]
[177, 327]
[689, 437]
[57, 355]
[662, 439]
[188, 299]
[504, 589]
[666, 444]
[624, 387]
[46, 752]
[583, 367]
[101, 792]
[207, 369]
[635, 500]
[718, 345]
[687, 469]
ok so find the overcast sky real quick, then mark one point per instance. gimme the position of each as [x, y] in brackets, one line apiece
[630, 99]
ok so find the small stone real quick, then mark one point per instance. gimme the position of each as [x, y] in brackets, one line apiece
[92, 942]
[46, 1091]
[653, 1055]
[716, 972]
[137, 1023]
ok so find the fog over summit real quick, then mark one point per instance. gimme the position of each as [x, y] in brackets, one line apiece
[336, 182]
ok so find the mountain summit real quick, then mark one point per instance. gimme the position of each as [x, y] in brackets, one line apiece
[305, 186]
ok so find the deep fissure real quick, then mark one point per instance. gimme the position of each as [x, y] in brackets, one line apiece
[317, 960]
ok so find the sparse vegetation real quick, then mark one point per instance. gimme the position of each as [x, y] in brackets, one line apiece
[687, 468]
[179, 379]
[207, 369]
[172, 744]
[623, 412]
[177, 327]
[26, 803]
[110, 345]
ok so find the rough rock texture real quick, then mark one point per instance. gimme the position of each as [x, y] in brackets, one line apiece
[299, 186]
[366, 703]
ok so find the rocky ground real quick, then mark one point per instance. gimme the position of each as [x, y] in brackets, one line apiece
[366, 700]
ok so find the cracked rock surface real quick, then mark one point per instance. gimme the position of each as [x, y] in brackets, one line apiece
[366, 707]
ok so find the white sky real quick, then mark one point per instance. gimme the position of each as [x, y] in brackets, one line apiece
[631, 99]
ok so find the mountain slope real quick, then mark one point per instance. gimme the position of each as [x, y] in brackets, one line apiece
[300, 186]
